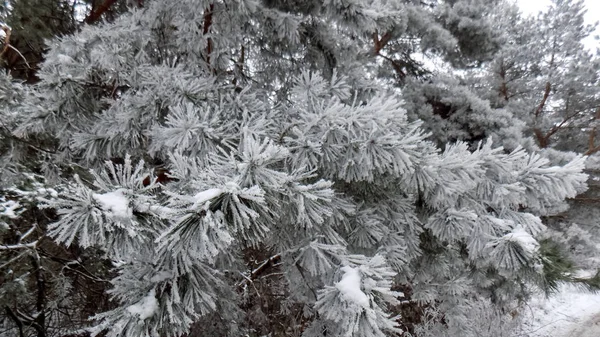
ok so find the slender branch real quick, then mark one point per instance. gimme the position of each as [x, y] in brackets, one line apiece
[301, 271]
[592, 148]
[591, 143]
[503, 87]
[560, 125]
[14, 317]
[397, 67]
[240, 66]
[208, 13]
[40, 303]
[259, 270]
[585, 199]
[379, 44]
[19, 246]
[66, 264]
[25, 319]
[7, 32]
[242, 59]
[9, 134]
[24, 236]
[540, 107]
[591, 151]
[7, 45]
[23, 57]
[544, 138]
[7, 263]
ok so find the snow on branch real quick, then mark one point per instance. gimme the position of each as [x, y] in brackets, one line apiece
[349, 286]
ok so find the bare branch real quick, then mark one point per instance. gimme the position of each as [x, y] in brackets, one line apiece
[543, 139]
[208, 13]
[379, 44]
[259, 270]
[592, 148]
[6, 42]
[19, 246]
[540, 107]
[24, 236]
[16, 319]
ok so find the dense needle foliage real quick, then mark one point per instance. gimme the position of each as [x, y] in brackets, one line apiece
[282, 168]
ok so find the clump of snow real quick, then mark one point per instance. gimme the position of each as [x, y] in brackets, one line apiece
[204, 196]
[115, 203]
[146, 307]
[3, 29]
[572, 311]
[52, 192]
[349, 286]
[584, 274]
[7, 208]
[524, 239]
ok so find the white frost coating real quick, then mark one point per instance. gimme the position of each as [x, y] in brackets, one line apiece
[50, 191]
[565, 313]
[524, 239]
[146, 307]
[204, 196]
[3, 28]
[8, 208]
[349, 286]
[64, 59]
[115, 203]
[161, 276]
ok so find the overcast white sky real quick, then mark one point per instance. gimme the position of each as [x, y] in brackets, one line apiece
[592, 15]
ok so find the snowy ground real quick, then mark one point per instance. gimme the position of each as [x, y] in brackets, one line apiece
[573, 312]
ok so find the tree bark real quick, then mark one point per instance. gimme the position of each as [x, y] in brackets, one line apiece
[40, 304]
[208, 13]
[540, 107]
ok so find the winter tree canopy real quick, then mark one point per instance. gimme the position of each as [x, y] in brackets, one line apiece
[288, 168]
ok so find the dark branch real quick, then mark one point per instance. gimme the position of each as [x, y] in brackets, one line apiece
[208, 13]
[97, 12]
[16, 319]
[540, 107]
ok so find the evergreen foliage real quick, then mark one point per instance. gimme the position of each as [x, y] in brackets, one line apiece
[242, 166]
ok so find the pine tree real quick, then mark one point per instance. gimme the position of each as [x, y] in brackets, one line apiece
[239, 164]
[550, 80]
[31, 23]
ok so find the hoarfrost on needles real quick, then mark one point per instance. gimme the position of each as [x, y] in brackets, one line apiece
[204, 196]
[161, 276]
[524, 239]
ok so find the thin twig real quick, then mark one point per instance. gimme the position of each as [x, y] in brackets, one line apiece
[13, 259]
[35, 147]
[19, 246]
[18, 52]
[7, 32]
[258, 270]
[24, 236]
